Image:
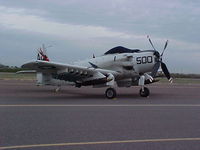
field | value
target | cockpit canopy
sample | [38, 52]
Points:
[120, 49]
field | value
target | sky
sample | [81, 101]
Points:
[77, 29]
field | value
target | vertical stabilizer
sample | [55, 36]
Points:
[42, 54]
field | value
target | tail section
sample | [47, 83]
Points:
[42, 54]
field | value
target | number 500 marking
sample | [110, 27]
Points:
[144, 59]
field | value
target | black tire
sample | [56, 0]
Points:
[111, 93]
[144, 93]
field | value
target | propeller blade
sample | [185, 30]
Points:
[151, 42]
[164, 48]
[155, 69]
[165, 70]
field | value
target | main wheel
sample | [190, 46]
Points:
[144, 93]
[110, 93]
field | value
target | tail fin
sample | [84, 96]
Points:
[42, 54]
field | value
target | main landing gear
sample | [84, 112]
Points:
[144, 92]
[111, 93]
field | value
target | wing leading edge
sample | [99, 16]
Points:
[67, 72]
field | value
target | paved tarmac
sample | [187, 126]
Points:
[34, 117]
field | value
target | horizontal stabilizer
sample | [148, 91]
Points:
[26, 72]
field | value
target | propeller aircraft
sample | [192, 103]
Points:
[118, 66]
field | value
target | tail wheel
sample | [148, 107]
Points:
[111, 93]
[145, 92]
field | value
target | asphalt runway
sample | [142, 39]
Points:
[34, 117]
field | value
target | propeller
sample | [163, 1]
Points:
[160, 62]
[165, 70]
[155, 69]
[164, 48]
[151, 42]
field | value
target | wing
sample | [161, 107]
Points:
[69, 72]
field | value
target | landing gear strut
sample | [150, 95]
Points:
[111, 93]
[144, 92]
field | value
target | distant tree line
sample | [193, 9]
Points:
[4, 68]
[181, 75]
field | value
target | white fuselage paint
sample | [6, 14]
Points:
[117, 62]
